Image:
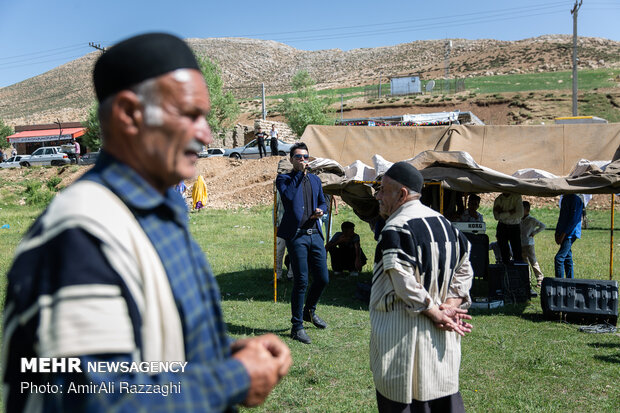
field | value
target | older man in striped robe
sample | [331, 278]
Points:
[420, 289]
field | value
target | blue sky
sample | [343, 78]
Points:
[38, 35]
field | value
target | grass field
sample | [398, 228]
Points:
[590, 79]
[512, 361]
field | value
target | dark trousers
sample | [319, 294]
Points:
[307, 254]
[448, 404]
[274, 149]
[261, 149]
[509, 233]
[343, 258]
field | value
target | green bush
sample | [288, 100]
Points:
[36, 195]
[53, 182]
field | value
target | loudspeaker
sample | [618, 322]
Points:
[510, 282]
[580, 299]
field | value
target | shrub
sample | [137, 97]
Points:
[36, 195]
[53, 182]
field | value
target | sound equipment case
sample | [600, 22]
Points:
[580, 298]
[510, 282]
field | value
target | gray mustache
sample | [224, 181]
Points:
[194, 146]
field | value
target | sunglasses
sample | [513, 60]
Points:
[299, 156]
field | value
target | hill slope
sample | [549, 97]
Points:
[66, 92]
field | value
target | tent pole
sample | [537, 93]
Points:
[275, 246]
[329, 218]
[611, 239]
[441, 198]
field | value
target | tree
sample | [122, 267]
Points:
[5, 130]
[224, 107]
[306, 107]
[92, 137]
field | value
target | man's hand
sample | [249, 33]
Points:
[318, 213]
[449, 318]
[266, 359]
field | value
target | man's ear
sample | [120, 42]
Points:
[403, 193]
[127, 110]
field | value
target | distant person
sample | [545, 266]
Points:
[260, 142]
[345, 250]
[420, 286]
[13, 152]
[567, 230]
[325, 219]
[281, 243]
[76, 150]
[273, 142]
[530, 226]
[471, 214]
[508, 211]
[304, 205]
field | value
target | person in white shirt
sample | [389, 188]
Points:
[273, 141]
[508, 211]
[530, 226]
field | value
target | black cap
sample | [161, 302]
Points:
[407, 175]
[140, 58]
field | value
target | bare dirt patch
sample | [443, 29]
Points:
[235, 183]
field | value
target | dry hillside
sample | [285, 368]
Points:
[65, 92]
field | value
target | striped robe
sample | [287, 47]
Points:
[420, 261]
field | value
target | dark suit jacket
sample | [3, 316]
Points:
[291, 193]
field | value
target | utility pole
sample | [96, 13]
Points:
[380, 73]
[574, 12]
[341, 106]
[96, 46]
[447, 65]
[264, 109]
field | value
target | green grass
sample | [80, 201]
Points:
[587, 80]
[512, 361]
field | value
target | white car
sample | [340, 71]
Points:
[47, 155]
[13, 162]
[250, 151]
[207, 153]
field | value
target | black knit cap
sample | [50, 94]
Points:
[140, 58]
[407, 175]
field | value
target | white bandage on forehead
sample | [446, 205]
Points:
[182, 75]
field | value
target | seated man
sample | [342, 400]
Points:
[345, 251]
[471, 214]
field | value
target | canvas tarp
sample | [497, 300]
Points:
[458, 171]
[504, 148]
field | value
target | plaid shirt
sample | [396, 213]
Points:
[212, 381]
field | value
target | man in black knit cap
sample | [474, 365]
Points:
[421, 278]
[109, 274]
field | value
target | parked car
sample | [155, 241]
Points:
[47, 155]
[215, 152]
[207, 153]
[12, 162]
[89, 158]
[250, 151]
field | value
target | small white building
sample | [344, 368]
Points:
[405, 84]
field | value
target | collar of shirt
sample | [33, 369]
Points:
[135, 192]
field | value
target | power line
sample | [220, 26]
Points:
[366, 33]
[44, 51]
[392, 23]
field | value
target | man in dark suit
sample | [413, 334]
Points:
[304, 203]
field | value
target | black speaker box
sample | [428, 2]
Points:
[588, 300]
[510, 282]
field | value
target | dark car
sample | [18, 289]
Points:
[89, 158]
